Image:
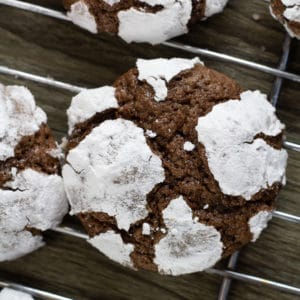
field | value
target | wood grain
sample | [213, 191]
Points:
[69, 266]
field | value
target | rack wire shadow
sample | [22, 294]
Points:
[280, 74]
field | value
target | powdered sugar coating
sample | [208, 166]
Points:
[188, 146]
[112, 245]
[31, 199]
[158, 72]
[19, 116]
[111, 2]
[241, 163]
[151, 134]
[115, 175]
[170, 21]
[290, 2]
[89, 102]
[80, 15]
[214, 7]
[9, 294]
[290, 14]
[146, 229]
[258, 223]
[189, 246]
[16, 244]
[57, 152]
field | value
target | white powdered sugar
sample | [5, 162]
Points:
[292, 13]
[56, 153]
[258, 223]
[290, 2]
[146, 230]
[189, 246]
[10, 294]
[171, 20]
[26, 198]
[241, 163]
[112, 245]
[19, 116]
[151, 134]
[141, 26]
[89, 102]
[188, 146]
[80, 15]
[112, 170]
[16, 244]
[158, 72]
[112, 2]
[214, 7]
[31, 199]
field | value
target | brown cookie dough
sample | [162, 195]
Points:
[152, 21]
[174, 167]
[287, 12]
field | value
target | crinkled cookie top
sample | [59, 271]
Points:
[32, 197]
[152, 21]
[174, 167]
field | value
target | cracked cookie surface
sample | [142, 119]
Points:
[196, 160]
[32, 197]
[132, 19]
[287, 12]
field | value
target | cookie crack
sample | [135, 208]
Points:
[81, 130]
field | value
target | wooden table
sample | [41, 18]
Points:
[69, 266]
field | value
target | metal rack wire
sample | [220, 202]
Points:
[280, 73]
[34, 292]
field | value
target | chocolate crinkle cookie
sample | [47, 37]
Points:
[32, 197]
[10, 294]
[287, 12]
[174, 167]
[152, 21]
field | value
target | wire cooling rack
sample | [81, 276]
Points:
[280, 74]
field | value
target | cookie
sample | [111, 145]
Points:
[174, 167]
[32, 197]
[152, 21]
[287, 12]
[10, 294]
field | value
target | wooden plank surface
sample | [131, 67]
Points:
[69, 266]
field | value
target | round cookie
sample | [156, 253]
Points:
[152, 21]
[32, 197]
[10, 294]
[174, 167]
[287, 12]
